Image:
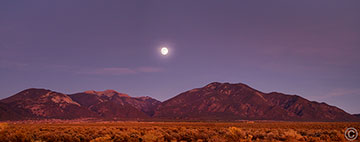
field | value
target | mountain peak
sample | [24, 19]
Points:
[108, 93]
[30, 93]
[36, 89]
[145, 98]
[213, 84]
[32, 90]
[226, 85]
[90, 92]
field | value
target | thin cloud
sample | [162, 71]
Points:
[338, 93]
[122, 70]
[12, 64]
[81, 70]
[343, 92]
[149, 69]
[112, 71]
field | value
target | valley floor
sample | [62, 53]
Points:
[175, 131]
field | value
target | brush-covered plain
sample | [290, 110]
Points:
[173, 131]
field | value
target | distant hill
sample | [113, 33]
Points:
[215, 101]
[41, 103]
[111, 104]
[46, 104]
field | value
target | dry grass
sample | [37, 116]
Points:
[174, 131]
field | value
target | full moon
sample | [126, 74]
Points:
[164, 51]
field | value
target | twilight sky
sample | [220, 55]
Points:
[309, 48]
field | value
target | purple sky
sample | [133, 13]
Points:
[309, 48]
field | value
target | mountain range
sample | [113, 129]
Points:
[213, 102]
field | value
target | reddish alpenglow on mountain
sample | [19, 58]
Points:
[215, 101]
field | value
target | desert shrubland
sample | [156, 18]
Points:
[173, 131]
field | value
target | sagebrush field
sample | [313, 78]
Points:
[173, 131]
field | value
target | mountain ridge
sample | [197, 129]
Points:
[225, 101]
[214, 101]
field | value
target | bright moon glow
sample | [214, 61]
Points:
[164, 51]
